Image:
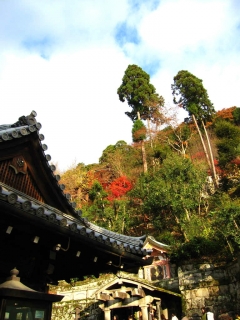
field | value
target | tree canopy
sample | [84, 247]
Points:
[140, 94]
[190, 94]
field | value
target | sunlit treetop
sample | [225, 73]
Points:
[139, 93]
[190, 94]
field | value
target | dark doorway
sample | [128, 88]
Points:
[124, 313]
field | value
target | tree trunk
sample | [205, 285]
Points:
[183, 232]
[203, 143]
[149, 132]
[215, 180]
[123, 221]
[144, 158]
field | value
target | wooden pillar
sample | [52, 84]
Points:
[158, 305]
[77, 314]
[144, 310]
[168, 270]
[107, 314]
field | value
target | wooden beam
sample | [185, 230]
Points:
[104, 297]
[138, 292]
[120, 294]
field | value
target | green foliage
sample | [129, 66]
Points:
[106, 152]
[181, 133]
[122, 159]
[114, 216]
[96, 192]
[117, 217]
[172, 195]
[197, 226]
[225, 220]
[190, 94]
[196, 248]
[98, 196]
[185, 132]
[160, 152]
[108, 207]
[121, 145]
[140, 94]
[226, 152]
[177, 138]
[227, 145]
[167, 237]
[138, 131]
[226, 130]
[236, 116]
[75, 179]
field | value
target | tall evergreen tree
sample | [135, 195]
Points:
[190, 94]
[141, 96]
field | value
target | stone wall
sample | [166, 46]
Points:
[210, 285]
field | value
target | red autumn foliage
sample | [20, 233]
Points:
[119, 187]
[103, 175]
[236, 162]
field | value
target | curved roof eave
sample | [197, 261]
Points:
[150, 242]
[80, 227]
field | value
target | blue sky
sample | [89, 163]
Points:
[65, 60]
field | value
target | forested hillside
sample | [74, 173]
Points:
[179, 182]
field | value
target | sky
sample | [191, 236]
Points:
[66, 59]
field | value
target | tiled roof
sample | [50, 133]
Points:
[79, 226]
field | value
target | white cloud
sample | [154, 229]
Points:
[180, 25]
